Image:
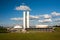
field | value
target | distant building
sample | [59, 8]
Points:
[16, 28]
[41, 26]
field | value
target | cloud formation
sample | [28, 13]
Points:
[23, 7]
[57, 20]
[46, 16]
[16, 19]
[45, 20]
[40, 20]
[34, 17]
[55, 14]
[31, 18]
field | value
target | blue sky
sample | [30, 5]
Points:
[38, 7]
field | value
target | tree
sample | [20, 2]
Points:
[3, 29]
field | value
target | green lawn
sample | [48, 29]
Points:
[31, 36]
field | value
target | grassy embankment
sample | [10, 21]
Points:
[31, 36]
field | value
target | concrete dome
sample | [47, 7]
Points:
[23, 7]
[17, 26]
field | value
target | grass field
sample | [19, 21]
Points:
[31, 36]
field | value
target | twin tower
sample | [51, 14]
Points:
[26, 11]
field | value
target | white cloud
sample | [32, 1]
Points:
[57, 19]
[34, 17]
[45, 20]
[40, 20]
[23, 7]
[16, 19]
[47, 16]
[31, 18]
[55, 14]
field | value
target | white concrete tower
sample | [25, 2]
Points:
[25, 10]
[27, 19]
[24, 20]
